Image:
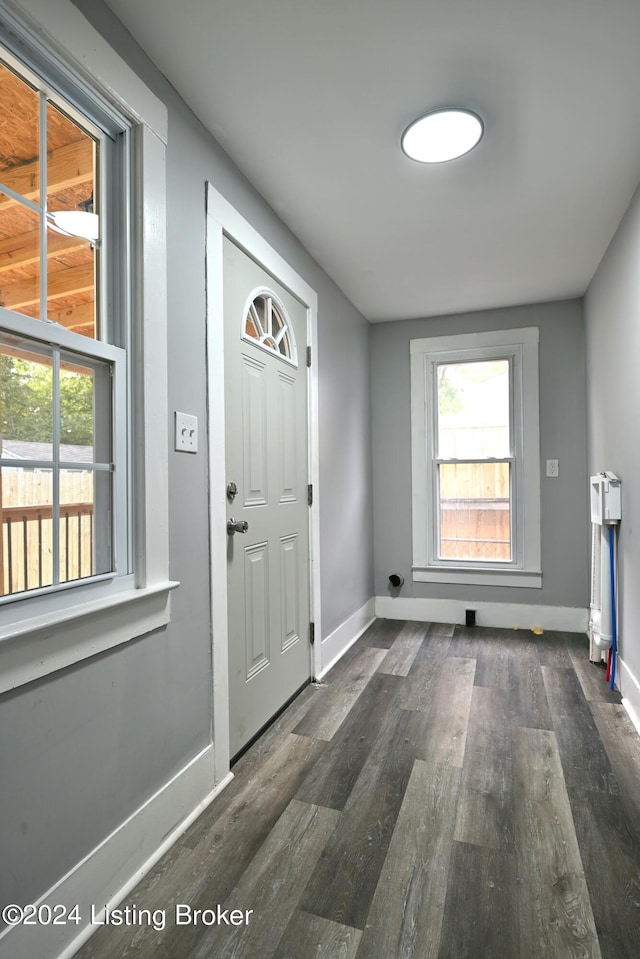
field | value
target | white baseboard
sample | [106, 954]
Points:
[109, 873]
[507, 615]
[338, 642]
[630, 690]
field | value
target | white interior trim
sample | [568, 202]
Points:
[151, 365]
[633, 715]
[338, 642]
[224, 220]
[629, 688]
[520, 346]
[109, 873]
[493, 576]
[568, 619]
[65, 30]
[44, 644]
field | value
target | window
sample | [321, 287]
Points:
[50, 199]
[62, 394]
[56, 464]
[475, 459]
[267, 324]
[83, 350]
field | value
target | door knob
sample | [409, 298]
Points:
[237, 526]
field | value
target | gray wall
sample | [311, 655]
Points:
[83, 749]
[612, 317]
[562, 436]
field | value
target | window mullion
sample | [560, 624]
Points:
[269, 316]
[517, 450]
[22, 200]
[55, 504]
[513, 519]
[482, 459]
[513, 372]
[431, 419]
[437, 512]
[44, 272]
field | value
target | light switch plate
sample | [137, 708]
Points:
[552, 468]
[186, 433]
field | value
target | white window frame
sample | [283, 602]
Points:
[41, 634]
[271, 295]
[520, 348]
[38, 333]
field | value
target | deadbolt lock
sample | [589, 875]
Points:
[232, 491]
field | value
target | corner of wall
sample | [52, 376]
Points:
[335, 645]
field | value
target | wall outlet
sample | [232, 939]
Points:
[552, 468]
[186, 433]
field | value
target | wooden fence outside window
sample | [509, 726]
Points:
[26, 528]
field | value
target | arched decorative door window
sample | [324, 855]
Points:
[267, 325]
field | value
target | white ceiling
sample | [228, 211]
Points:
[310, 97]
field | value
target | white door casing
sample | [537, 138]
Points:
[223, 220]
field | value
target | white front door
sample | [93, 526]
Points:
[267, 476]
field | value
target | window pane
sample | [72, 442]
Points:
[19, 258]
[71, 197]
[26, 401]
[266, 322]
[19, 136]
[19, 170]
[473, 410]
[26, 512]
[85, 410]
[103, 550]
[260, 306]
[475, 511]
[85, 501]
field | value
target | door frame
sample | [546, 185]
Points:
[222, 219]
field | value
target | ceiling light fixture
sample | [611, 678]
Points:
[76, 223]
[442, 135]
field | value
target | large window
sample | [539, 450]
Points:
[474, 460]
[476, 498]
[83, 349]
[62, 384]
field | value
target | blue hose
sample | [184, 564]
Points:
[614, 644]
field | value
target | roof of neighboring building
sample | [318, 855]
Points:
[20, 450]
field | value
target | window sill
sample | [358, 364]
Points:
[37, 647]
[472, 576]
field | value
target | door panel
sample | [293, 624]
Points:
[287, 445]
[256, 605]
[290, 588]
[266, 456]
[254, 432]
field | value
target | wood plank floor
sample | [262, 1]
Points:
[444, 793]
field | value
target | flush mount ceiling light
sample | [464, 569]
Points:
[76, 223]
[442, 135]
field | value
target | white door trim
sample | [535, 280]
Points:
[224, 220]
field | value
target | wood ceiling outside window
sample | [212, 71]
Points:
[71, 175]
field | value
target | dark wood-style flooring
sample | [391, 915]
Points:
[445, 792]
